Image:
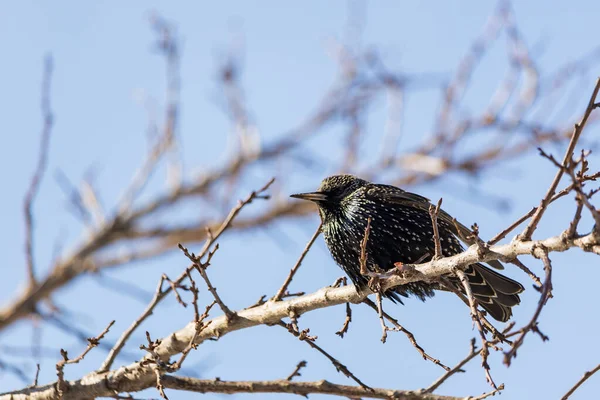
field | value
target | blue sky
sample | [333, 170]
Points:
[105, 64]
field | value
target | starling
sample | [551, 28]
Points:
[401, 231]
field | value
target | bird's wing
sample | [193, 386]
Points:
[408, 199]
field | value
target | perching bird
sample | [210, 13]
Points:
[401, 230]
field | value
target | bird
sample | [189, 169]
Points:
[401, 231]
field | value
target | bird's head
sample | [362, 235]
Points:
[331, 194]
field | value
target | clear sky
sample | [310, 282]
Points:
[105, 65]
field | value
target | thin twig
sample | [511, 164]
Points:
[529, 272]
[167, 43]
[347, 321]
[160, 294]
[572, 231]
[174, 287]
[363, 249]
[490, 393]
[226, 310]
[201, 268]
[294, 269]
[256, 194]
[310, 340]
[61, 385]
[199, 325]
[524, 218]
[462, 296]
[580, 382]
[114, 352]
[158, 366]
[296, 371]
[40, 169]
[512, 227]
[476, 319]
[526, 235]
[408, 334]
[544, 296]
[343, 281]
[433, 212]
[472, 354]
[457, 368]
[37, 375]
[582, 197]
[384, 327]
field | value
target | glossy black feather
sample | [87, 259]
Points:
[401, 231]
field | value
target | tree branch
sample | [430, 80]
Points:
[133, 376]
[300, 388]
[535, 220]
[584, 378]
[294, 269]
[42, 162]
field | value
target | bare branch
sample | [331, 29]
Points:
[384, 327]
[40, 169]
[273, 312]
[37, 375]
[294, 269]
[114, 352]
[475, 315]
[201, 268]
[158, 366]
[512, 227]
[572, 231]
[525, 269]
[310, 340]
[347, 321]
[257, 194]
[490, 393]
[301, 388]
[584, 378]
[61, 385]
[546, 291]
[526, 235]
[199, 326]
[160, 294]
[531, 212]
[433, 212]
[506, 128]
[168, 45]
[363, 249]
[408, 334]
[457, 368]
[296, 371]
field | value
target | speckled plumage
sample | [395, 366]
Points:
[401, 231]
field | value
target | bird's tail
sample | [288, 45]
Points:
[494, 292]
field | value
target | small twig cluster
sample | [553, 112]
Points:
[61, 384]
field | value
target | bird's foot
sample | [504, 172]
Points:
[342, 281]
[375, 284]
[404, 268]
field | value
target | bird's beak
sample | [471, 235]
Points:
[313, 196]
